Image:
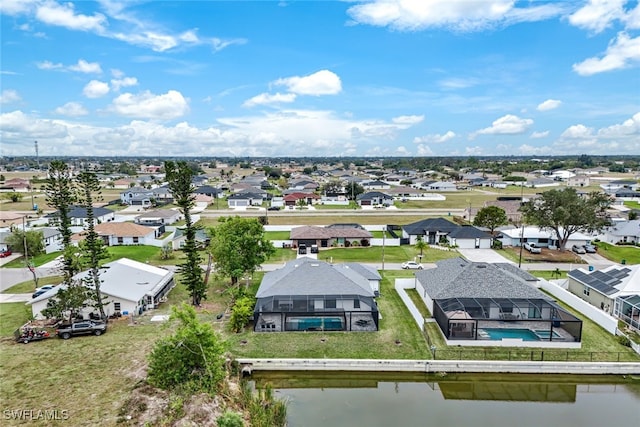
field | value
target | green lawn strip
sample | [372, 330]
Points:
[308, 218]
[391, 254]
[330, 207]
[29, 286]
[632, 204]
[617, 253]
[12, 316]
[277, 235]
[37, 260]
[418, 302]
[140, 253]
[548, 274]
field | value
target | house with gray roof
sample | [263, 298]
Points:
[374, 198]
[622, 232]
[78, 215]
[130, 287]
[311, 295]
[481, 304]
[439, 230]
[336, 235]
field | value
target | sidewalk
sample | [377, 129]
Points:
[14, 298]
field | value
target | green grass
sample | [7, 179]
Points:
[617, 253]
[308, 218]
[418, 302]
[277, 235]
[631, 204]
[12, 316]
[548, 274]
[393, 254]
[29, 286]
[37, 260]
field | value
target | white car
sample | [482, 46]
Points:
[411, 265]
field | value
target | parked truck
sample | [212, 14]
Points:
[87, 327]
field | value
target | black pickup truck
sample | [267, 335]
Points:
[87, 327]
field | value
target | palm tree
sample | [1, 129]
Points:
[422, 245]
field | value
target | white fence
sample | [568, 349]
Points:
[609, 323]
[401, 285]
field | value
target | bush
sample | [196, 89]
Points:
[622, 339]
[241, 313]
[230, 419]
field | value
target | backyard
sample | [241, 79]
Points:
[617, 253]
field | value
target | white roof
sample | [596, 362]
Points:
[532, 232]
[125, 279]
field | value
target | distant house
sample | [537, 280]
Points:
[578, 181]
[441, 186]
[340, 235]
[517, 236]
[541, 182]
[122, 233]
[374, 198]
[210, 191]
[131, 287]
[19, 185]
[137, 196]
[402, 191]
[8, 218]
[483, 304]
[376, 185]
[622, 232]
[179, 239]
[293, 199]
[158, 217]
[52, 238]
[311, 295]
[438, 230]
[78, 216]
[244, 200]
[615, 289]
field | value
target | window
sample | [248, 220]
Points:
[585, 291]
[135, 239]
[120, 240]
[116, 306]
[330, 303]
[356, 303]
[534, 313]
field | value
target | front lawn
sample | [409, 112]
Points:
[393, 254]
[617, 253]
[29, 286]
[37, 260]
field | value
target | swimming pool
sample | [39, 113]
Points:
[544, 334]
[497, 334]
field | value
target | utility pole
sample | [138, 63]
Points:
[384, 235]
[522, 229]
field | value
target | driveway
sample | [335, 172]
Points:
[484, 255]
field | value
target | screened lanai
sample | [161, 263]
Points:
[627, 309]
[529, 319]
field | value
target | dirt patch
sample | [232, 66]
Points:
[547, 255]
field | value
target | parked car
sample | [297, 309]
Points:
[86, 327]
[590, 249]
[273, 208]
[578, 249]
[411, 265]
[531, 247]
[5, 254]
[42, 290]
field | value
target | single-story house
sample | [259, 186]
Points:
[330, 236]
[615, 289]
[159, 217]
[441, 186]
[374, 198]
[622, 232]
[516, 236]
[439, 230]
[131, 287]
[311, 295]
[244, 199]
[402, 191]
[578, 181]
[122, 233]
[180, 238]
[293, 199]
[137, 196]
[52, 238]
[375, 185]
[78, 215]
[469, 237]
[8, 219]
[483, 304]
[210, 191]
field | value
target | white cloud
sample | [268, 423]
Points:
[458, 83]
[8, 96]
[64, 15]
[116, 84]
[407, 120]
[16, 124]
[630, 127]
[267, 99]
[457, 15]
[16, 7]
[632, 18]
[577, 131]
[48, 65]
[323, 82]
[434, 138]
[424, 150]
[170, 105]
[95, 89]
[473, 151]
[71, 109]
[86, 67]
[402, 151]
[538, 135]
[506, 125]
[597, 15]
[549, 104]
[620, 53]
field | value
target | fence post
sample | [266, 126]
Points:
[532, 355]
[592, 356]
[542, 356]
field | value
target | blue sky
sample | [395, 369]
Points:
[320, 78]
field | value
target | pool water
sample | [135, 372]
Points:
[524, 334]
[545, 334]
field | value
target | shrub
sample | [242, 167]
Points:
[622, 339]
[241, 313]
[230, 419]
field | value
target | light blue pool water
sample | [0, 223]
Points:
[498, 334]
[544, 334]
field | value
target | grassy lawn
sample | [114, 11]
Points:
[12, 316]
[391, 254]
[36, 260]
[631, 254]
[308, 218]
[277, 235]
[631, 204]
[549, 274]
[28, 286]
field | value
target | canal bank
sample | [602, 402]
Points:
[438, 366]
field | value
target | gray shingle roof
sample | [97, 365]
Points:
[430, 224]
[307, 276]
[459, 278]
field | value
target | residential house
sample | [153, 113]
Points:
[374, 198]
[340, 235]
[179, 238]
[78, 216]
[578, 181]
[8, 218]
[403, 191]
[615, 289]
[122, 233]
[618, 185]
[210, 191]
[19, 185]
[483, 304]
[376, 185]
[516, 236]
[311, 295]
[52, 239]
[159, 217]
[622, 232]
[130, 288]
[244, 199]
[294, 199]
[441, 186]
[469, 237]
[541, 183]
[137, 196]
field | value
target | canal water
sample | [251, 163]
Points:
[453, 400]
